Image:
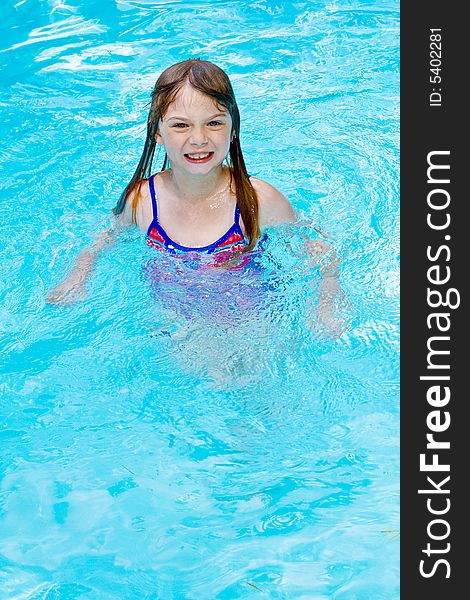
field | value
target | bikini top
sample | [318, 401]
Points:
[232, 241]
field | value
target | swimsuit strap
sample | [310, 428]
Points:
[154, 197]
[237, 215]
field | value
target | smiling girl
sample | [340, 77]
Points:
[196, 205]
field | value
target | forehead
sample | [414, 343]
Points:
[193, 104]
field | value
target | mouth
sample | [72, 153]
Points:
[199, 157]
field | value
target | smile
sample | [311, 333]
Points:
[199, 157]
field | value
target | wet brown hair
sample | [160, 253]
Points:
[211, 80]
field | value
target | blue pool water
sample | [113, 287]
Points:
[207, 444]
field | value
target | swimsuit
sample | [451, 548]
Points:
[232, 241]
[190, 285]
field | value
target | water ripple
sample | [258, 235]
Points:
[180, 432]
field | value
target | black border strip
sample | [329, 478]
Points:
[433, 124]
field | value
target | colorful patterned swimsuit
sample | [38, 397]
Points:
[232, 241]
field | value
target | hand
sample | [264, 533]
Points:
[326, 315]
[67, 292]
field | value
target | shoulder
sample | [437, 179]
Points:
[140, 196]
[274, 207]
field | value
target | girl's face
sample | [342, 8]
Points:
[195, 131]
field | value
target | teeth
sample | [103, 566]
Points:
[199, 155]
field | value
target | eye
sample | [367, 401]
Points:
[215, 123]
[180, 125]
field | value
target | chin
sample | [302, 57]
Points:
[203, 168]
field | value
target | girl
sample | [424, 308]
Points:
[196, 205]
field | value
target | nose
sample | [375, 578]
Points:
[198, 138]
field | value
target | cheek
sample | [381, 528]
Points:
[172, 140]
[223, 139]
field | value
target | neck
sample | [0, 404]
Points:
[198, 188]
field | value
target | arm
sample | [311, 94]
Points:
[275, 209]
[321, 254]
[73, 286]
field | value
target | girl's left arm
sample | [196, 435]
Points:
[275, 209]
[327, 310]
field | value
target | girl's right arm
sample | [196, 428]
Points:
[73, 287]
